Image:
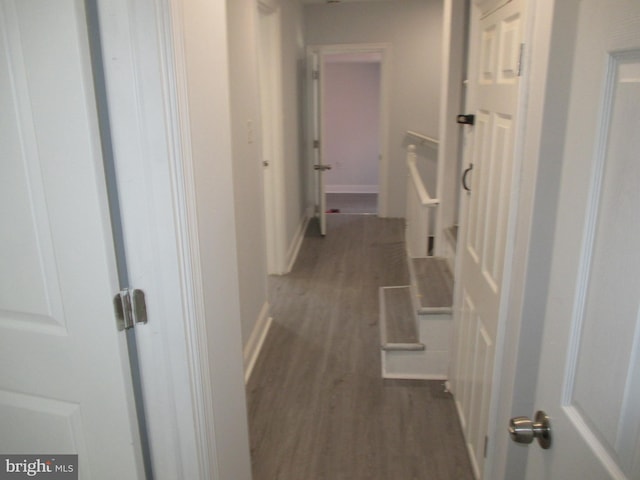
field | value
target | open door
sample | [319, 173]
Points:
[65, 385]
[318, 166]
[494, 83]
[589, 375]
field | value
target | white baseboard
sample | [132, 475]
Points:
[351, 188]
[294, 247]
[254, 344]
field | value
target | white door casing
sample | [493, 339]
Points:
[317, 100]
[65, 384]
[451, 101]
[494, 93]
[315, 54]
[589, 375]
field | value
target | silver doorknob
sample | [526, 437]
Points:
[523, 430]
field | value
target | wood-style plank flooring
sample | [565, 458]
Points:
[400, 317]
[318, 407]
[435, 285]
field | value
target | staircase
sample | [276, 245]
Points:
[415, 319]
[415, 322]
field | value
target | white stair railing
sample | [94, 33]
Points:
[420, 204]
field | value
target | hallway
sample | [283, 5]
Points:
[318, 407]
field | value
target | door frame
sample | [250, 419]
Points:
[191, 370]
[384, 50]
[549, 40]
[271, 121]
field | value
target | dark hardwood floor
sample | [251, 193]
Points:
[318, 407]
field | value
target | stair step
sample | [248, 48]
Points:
[398, 323]
[433, 283]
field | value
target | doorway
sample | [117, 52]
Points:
[348, 112]
[270, 90]
[351, 127]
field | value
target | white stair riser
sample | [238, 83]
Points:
[435, 330]
[430, 364]
[424, 365]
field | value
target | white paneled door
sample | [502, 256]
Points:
[494, 84]
[589, 377]
[64, 379]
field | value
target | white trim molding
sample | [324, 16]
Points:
[256, 340]
[142, 51]
[448, 188]
[202, 120]
[268, 22]
[161, 58]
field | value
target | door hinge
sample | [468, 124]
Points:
[486, 445]
[130, 308]
[316, 144]
[315, 74]
[520, 59]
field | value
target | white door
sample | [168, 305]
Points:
[494, 85]
[318, 165]
[267, 109]
[589, 376]
[64, 378]
[271, 121]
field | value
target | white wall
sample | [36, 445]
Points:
[413, 28]
[208, 146]
[247, 167]
[243, 31]
[351, 115]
